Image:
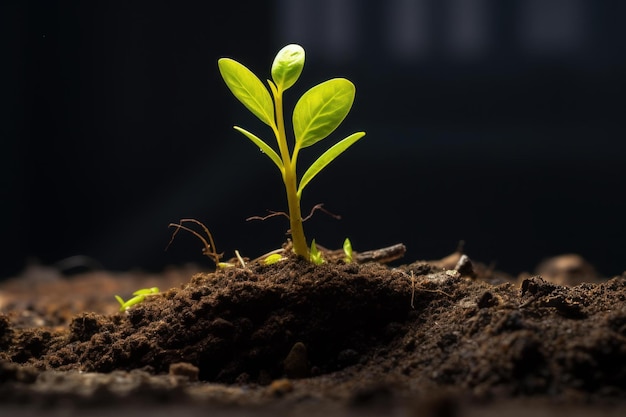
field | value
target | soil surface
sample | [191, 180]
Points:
[441, 338]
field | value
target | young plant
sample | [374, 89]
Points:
[139, 297]
[273, 258]
[316, 115]
[347, 250]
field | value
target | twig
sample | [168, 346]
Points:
[383, 255]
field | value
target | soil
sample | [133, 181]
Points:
[441, 338]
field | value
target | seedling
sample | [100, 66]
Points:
[316, 115]
[273, 258]
[139, 297]
[347, 250]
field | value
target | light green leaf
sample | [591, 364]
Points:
[287, 66]
[315, 255]
[147, 291]
[265, 148]
[248, 89]
[121, 301]
[321, 109]
[326, 158]
[273, 258]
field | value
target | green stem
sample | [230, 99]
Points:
[281, 136]
[300, 247]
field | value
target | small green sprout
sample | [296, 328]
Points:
[347, 250]
[139, 297]
[315, 256]
[273, 258]
[318, 112]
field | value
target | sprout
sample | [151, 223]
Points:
[139, 297]
[315, 256]
[347, 250]
[273, 258]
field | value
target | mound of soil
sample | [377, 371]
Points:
[428, 338]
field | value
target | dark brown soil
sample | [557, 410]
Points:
[298, 339]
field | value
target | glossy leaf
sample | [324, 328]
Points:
[287, 66]
[265, 148]
[326, 158]
[248, 89]
[321, 109]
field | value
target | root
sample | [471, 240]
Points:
[321, 208]
[209, 246]
[316, 207]
[272, 214]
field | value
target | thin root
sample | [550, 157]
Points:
[413, 280]
[321, 208]
[316, 207]
[209, 246]
[272, 214]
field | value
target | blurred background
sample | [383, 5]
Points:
[500, 124]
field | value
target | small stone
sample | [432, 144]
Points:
[464, 267]
[296, 364]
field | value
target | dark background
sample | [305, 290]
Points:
[497, 123]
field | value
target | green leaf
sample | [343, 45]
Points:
[147, 291]
[326, 158]
[265, 148]
[248, 89]
[273, 258]
[120, 300]
[287, 66]
[321, 109]
[315, 255]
